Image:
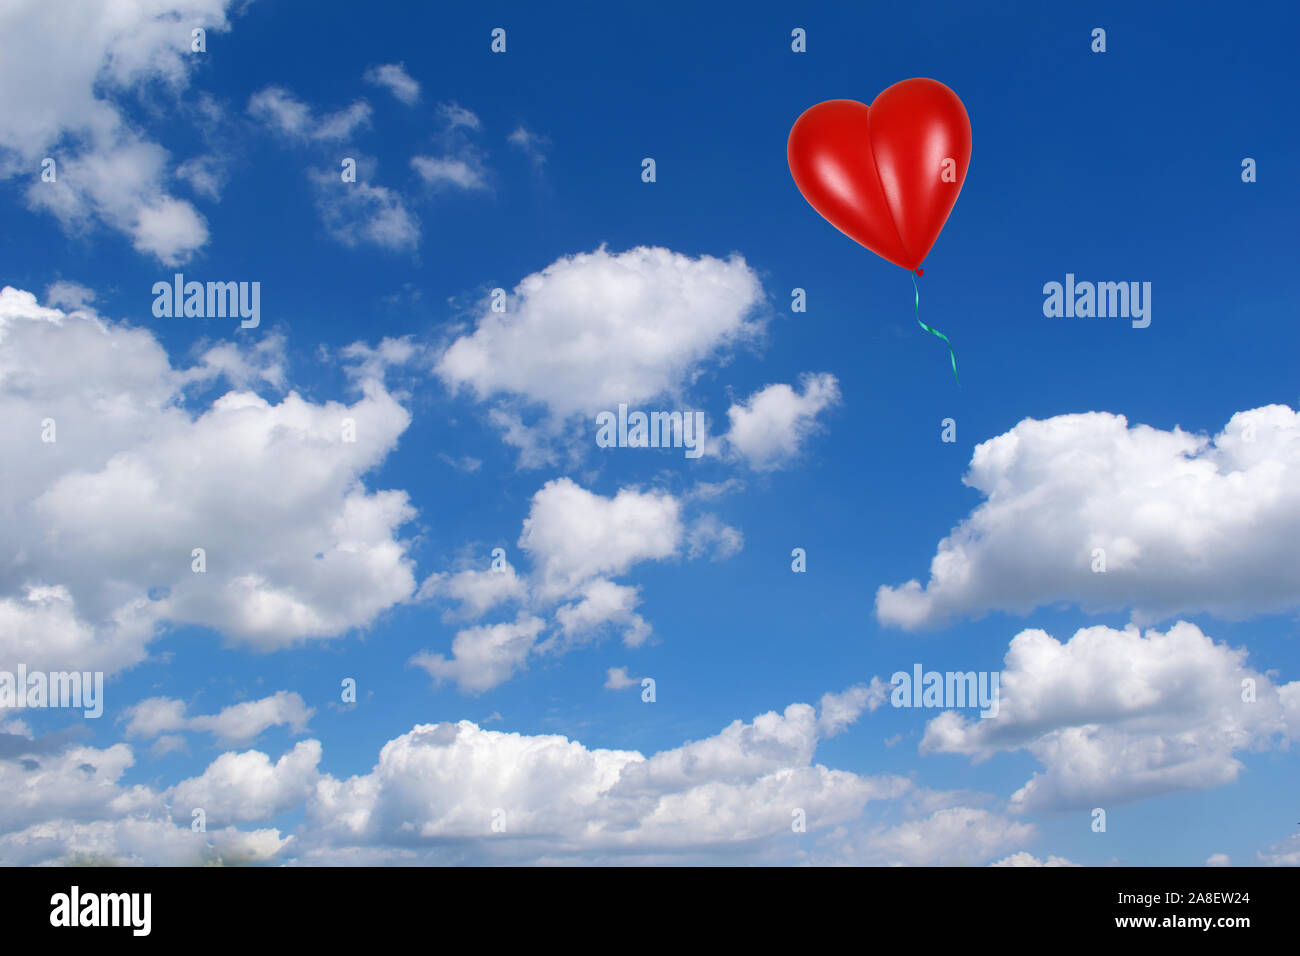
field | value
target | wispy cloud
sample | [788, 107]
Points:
[394, 78]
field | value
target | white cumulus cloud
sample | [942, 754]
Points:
[1187, 523]
[238, 723]
[64, 73]
[117, 482]
[769, 428]
[577, 541]
[593, 330]
[1118, 715]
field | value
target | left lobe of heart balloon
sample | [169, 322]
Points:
[831, 161]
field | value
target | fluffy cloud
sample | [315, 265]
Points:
[132, 841]
[133, 482]
[574, 535]
[243, 787]
[43, 629]
[602, 603]
[616, 678]
[1027, 859]
[1116, 715]
[485, 656]
[576, 541]
[69, 805]
[367, 362]
[954, 836]
[440, 787]
[459, 793]
[838, 711]
[77, 783]
[68, 295]
[1188, 523]
[107, 171]
[238, 723]
[1284, 853]
[708, 535]
[597, 329]
[476, 592]
[769, 428]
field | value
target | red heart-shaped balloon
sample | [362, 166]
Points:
[885, 175]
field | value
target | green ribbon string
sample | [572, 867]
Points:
[951, 353]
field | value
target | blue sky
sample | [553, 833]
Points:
[1115, 166]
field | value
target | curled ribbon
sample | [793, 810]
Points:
[951, 353]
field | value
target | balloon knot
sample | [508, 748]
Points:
[920, 272]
